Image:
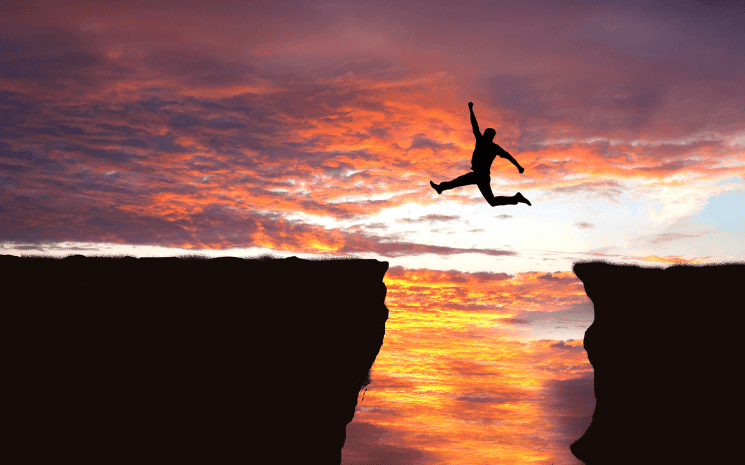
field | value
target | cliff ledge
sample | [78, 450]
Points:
[172, 360]
[666, 349]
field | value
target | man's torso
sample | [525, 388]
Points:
[483, 155]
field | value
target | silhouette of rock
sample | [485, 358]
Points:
[666, 349]
[172, 360]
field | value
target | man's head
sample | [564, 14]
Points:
[489, 133]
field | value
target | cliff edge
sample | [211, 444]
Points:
[172, 360]
[666, 349]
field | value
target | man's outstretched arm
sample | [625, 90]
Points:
[475, 125]
[504, 154]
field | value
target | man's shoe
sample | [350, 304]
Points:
[522, 199]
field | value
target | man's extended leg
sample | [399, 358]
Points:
[466, 179]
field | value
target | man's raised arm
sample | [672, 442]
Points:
[475, 125]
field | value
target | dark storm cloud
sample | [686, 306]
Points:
[206, 104]
[70, 130]
[13, 111]
[4, 166]
[130, 131]
[225, 122]
[45, 54]
[155, 103]
[184, 120]
[48, 131]
[167, 144]
[7, 152]
[30, 159]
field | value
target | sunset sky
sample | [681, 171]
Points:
[313, 128]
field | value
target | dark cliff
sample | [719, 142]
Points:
[169, 360]
[666, 349]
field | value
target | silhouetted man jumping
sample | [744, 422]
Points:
[483, 156]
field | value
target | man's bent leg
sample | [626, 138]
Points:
[485, 188]
[500, 200]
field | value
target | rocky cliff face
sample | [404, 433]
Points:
[667, 353]
[167, 360]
